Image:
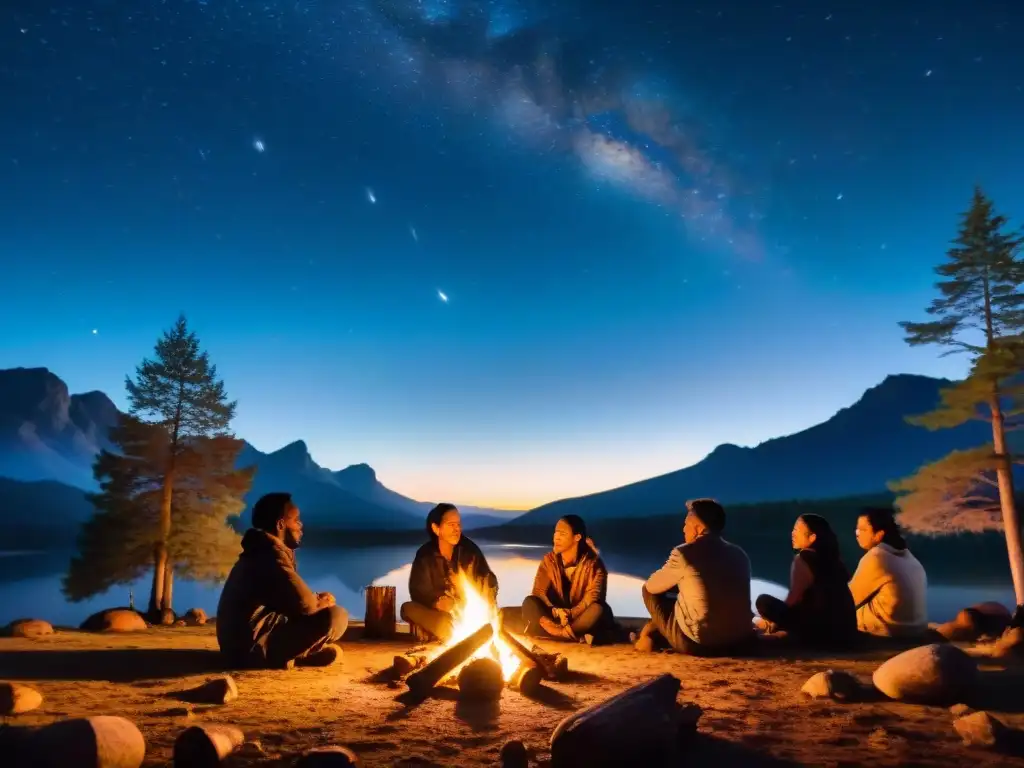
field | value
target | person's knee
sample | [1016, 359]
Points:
[763, 603]
[339, 620]
[403, 613]
[649, 598]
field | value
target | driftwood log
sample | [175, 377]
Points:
[636, 727]
[421, 681]
[380, 620]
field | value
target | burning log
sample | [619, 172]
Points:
[423, 680]
[555, 665]
[481, 680]
[528, 680]
[636, 727]
[380, 622]
[530, 657]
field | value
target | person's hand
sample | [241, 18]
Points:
[445, 604]
[561, 615]
[325, 599]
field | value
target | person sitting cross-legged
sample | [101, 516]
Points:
[711, 615]
[267, 616]
[569, 598]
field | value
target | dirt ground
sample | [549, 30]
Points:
[754, 713]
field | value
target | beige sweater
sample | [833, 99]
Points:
[890, 591]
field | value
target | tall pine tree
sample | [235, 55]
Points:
[979, 312]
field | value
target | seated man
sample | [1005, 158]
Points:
[569, 598]
[267, 616]
[712, 613]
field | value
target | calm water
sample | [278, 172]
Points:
[30, 582]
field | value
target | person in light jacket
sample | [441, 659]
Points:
[570, 590]
[889, 587]
[711, 614]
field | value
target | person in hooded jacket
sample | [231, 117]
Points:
[570, 590]
[889, 587]
[434, 583]
[267, 616]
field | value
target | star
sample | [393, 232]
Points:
[412, 231]
[258, 145]
[442, 296]
[370, 196]
[95, 331]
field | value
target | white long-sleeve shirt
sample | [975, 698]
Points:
[890, 590]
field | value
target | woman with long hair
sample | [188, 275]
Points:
[889, 587]
[569, 597]
[433, 582]
[819, 608]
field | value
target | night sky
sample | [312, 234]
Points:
[658, 226]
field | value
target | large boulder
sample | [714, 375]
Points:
[984, 620]
[195, 617]
[931, 674]
[115, 620]
[103, 741]
[28, 628]
[16, 699]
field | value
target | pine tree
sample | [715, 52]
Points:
[179, 391]
[116, 544]
[979, 312]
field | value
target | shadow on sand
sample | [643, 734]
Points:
[704, 749]
[116, 666]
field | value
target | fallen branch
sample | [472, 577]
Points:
[422, 681]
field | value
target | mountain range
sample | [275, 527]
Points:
[49, 439]
[47, 434]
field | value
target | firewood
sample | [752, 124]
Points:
[635, 727]
[423, 680]
[406, 663]
[529, 656]
[528, 680]
[481, 680]
[201, 746]
[555, 665]
[380, 622]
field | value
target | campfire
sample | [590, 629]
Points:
[483, 655]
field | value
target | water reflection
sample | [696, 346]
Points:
[30, 582]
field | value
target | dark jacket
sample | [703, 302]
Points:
[432, 577]
[826, 606]
[588, 585]
[262, 590]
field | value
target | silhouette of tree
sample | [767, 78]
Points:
[980, 312]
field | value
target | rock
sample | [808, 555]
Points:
[980, 729]
[840, 686]
[99, 742]
[930, 674]
[251, 750]
[195, 617]
[167, 618]
[960, 710]
[29, 628]
[687, 716]
[185, 712]
[16, 699]
[514, 755]
[328, 757]
[216, 690]
[115, 620]
[1010, 643]
[481, 680]
[205, 746]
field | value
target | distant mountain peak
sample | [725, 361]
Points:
[361, 471]
[296, 449]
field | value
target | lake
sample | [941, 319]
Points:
[30, 582]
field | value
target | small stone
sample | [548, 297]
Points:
[980, 729]
[402, 665]
[216, 690]
[115, 620]
[29, 628]
[840, 686]
[185, 711]
[103, 741]
[328, 757]
[251, 749]
[514, 755]
[930, 674]
[205, 746]
[16, 699]
[960, 710]
[195, 617]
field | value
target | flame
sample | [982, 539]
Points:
[472, 612]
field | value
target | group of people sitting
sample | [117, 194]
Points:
[699, 602]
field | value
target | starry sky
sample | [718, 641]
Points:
[504, 251]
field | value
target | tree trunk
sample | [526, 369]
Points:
[380, 620]
[156, 598]
[1011, 522]
[168, 586]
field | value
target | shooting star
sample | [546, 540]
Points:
[442, 296]
[412, 231]
[370, 196]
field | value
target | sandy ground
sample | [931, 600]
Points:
[754, 713]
